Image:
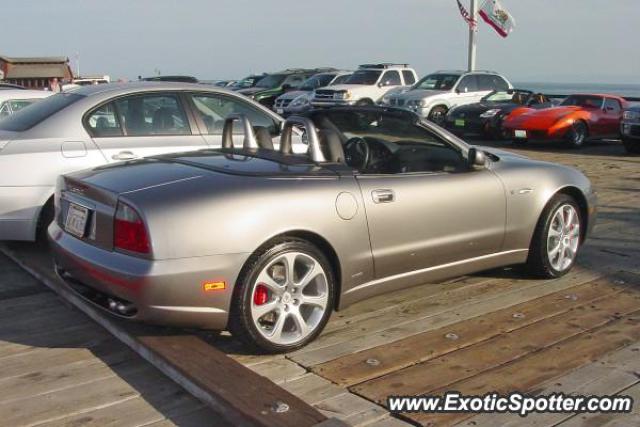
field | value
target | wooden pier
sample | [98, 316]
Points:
[495, 331]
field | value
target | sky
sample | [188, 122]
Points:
[578, 41]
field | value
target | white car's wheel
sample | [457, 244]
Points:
[285, 297]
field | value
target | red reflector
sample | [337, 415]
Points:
[130, 232]
[261, 295]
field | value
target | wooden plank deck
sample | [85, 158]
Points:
[56, 368]
[498, 330]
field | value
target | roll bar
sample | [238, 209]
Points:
[315, 152]
[249, 141]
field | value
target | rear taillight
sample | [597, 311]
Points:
[130, 232]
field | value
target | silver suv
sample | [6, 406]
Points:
[434, 95]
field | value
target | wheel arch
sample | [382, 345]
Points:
[581, 200]
[324, 246]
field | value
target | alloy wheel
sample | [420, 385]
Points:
[563, 237]
[289, 298]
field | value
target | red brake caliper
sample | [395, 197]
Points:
[260, 295]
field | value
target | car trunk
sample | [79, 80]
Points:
[95, 193]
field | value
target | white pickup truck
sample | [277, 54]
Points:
[368, 84]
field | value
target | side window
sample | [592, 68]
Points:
[214, 109]
[409, 78]
[294, 81]
[104, 122]
[485, 82]
[468, 84]
[146, 115]
[499, 83]
[612, 105]
[391, 78]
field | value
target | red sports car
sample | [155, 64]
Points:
[577, 119]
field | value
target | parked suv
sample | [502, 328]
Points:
[368, 84]
[299, 101]
[434, 95]
[273, 85]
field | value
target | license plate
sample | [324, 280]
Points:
[279, 110]
[76, 222]
[520, 134]
[459, 122]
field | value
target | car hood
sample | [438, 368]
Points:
[152, 172]
[481, 107]
[252, 90]
[346, 87]
[541, 118]
[294, 94]
[417, 94]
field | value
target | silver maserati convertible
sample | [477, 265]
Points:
[267, 243]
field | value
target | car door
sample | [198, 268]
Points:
[611, 117]
[431, 215]
[390, 79]
[467, 91]
[143, 125]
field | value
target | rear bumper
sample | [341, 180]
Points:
[19, 211]
[165, 292]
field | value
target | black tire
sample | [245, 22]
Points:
[538, 263]
[240, 322]
[631, 145]
[437, 114]
[365, 103]
[46, 218]
[577, 135]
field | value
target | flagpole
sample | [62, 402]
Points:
[473, 34]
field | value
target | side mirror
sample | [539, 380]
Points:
[476, 158]
[286, 87]
[380, 84]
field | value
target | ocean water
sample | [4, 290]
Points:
[628, 90]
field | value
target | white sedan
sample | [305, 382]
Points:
[100, 124]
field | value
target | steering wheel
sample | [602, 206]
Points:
[357, 153]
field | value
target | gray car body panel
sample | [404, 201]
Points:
[440, 225]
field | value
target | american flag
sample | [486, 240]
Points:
[466, 16]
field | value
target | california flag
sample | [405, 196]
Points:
[497, 16]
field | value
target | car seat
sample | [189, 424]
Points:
[331, 145]
[163, 121]
[263, 137]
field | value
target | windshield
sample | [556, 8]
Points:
[586, 101]
[515, 96]
[437, 82]
[363, 77]
[271, 81]
[246, 82]
[36, 113]
[319, 80]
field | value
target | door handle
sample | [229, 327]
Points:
[382, 196]
[124, 155]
